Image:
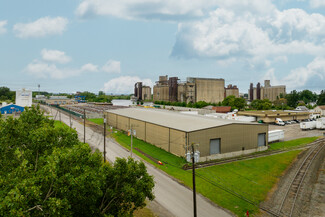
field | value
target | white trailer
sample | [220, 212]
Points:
[308, 125]
[320, 123]
[276, 135]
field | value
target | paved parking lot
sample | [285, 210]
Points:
[293, 131]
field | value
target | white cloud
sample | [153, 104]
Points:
[112, 66]
[299, 77]
[317, 3]
[89, 67]
[3, 24]
[166, 9]
[41, 27]
[45, 70]
[55, 56]
[124, 84]
[255, 38]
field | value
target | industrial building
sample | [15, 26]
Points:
[59, 100]
[267, 92]
[193, 90]
[142, 92]
[11, 109]
[175, 132]
[270, 116]
[320, 109]
[24, 98]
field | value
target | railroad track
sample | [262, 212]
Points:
[252, 156]
[288, 203]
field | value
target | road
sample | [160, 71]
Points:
[171, 195]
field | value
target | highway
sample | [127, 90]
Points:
[171, 195]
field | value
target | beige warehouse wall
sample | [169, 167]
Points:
[123, 123]
[157, 135]
[111, 119]
[139, 127]
[233, 137]
[177, 142]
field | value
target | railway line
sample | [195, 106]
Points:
[288, 205]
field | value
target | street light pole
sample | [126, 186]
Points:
[84, 126]
[104, 138]
[194, 190]
[131, 140]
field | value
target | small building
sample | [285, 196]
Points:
[175, 132]
[269, 116]
[59, 100]
[11, 109]
[302, 108]
[320, 109]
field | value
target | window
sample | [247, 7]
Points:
[214, 146]
[261, 139]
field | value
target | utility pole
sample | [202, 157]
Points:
[104, 138]
[131, 140]
[70, 118]
[194, 191]
[60, 115]
[84, 126]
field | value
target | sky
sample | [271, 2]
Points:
[108, 45]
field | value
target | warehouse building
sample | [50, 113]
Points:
[11, 109]
[175, 132]
[270, 116]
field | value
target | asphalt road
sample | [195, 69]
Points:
[171, 195]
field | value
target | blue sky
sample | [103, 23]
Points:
[93, 45]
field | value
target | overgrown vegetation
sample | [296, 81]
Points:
[46, 171]
[252, 179]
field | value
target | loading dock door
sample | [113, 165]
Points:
[214, 146]
[261, 139]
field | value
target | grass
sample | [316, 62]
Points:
[291, 143]
[251, 178]
[99, 121]
[60, 124]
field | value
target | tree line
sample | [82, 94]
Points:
[46, 171]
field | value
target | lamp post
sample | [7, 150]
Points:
[194, 188]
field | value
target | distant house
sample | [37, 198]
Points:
[302, 108]
[320, 109]
[11, 109]
[222, 109]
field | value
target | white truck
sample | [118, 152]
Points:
[279, 122]
[276, 135]
[320, 124]
[308, 125]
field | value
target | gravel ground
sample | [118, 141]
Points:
[311, 201]
[293, 131]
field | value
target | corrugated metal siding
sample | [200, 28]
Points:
[158, 136]
[139, 127]
[111, 119]
[123, 123]
[177, 142]
[233, 137]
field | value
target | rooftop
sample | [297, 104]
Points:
[271, 113]
[174, 120]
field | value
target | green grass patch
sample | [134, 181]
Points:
[60, 124]
[291, 143]
[252, 179]
[99, 121]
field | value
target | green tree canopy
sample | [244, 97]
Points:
[46, 171]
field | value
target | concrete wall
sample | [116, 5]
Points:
[160, 93]
[146, 93]
[209, 90]
[233, 137]
[232, 92]
[272, 93]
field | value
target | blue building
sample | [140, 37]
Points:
[11, 109]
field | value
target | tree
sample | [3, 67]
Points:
[292, 98]
[264, 104]
[321, 98]
[307, 96]
[235, 103]
[46, 171]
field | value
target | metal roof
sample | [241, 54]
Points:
[174, 120]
